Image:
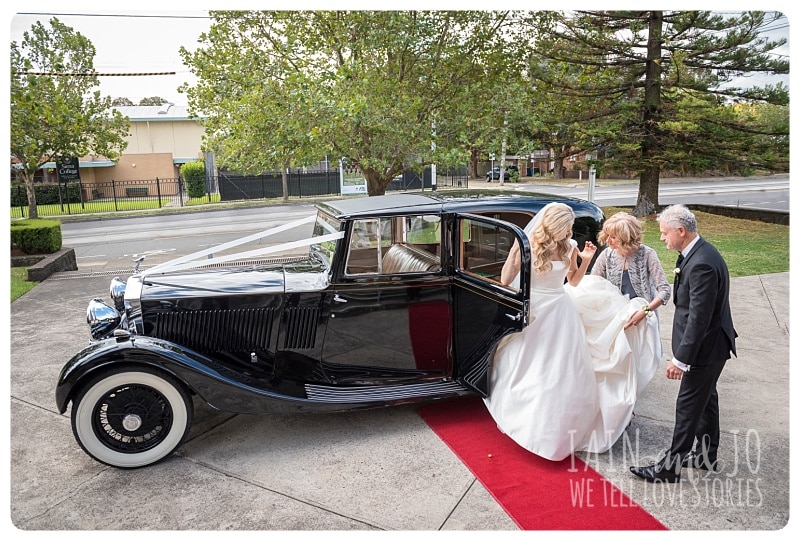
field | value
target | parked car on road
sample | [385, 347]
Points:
[494, 174]
[389, 300]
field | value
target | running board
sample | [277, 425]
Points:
[383, 393]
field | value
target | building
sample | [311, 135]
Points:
[161, 139]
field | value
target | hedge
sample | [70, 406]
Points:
[49, 194]
[38, 236]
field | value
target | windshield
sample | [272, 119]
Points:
[325, 225]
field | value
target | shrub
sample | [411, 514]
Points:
[47, 194]
[37, 236]
[194, 173]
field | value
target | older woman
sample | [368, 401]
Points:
[632, 266]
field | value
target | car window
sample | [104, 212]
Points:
[325, 225]
[484, 249]
[395, 245]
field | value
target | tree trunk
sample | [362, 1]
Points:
[285, 184]
[647, 200]
[503, 153]
[33, 211]
[473, 163]
[375, 184]
[558, 165]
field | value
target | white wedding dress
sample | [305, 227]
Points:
[569, 380]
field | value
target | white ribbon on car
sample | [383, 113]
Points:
[190, 261]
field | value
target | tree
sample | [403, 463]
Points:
[660, 82]
[153, 100]
[54, 111]
[280, 87]
[121, 102]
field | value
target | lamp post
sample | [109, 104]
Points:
[592, 157]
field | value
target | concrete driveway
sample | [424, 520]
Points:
[372, 470]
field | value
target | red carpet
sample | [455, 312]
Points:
[538, 494]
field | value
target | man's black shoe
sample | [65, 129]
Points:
[656, 473]
[698, 461]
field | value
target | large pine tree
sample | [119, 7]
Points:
[660, 84]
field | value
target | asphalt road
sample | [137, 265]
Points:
[770, 193]
[113, 243]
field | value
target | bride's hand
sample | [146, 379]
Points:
[589, 250]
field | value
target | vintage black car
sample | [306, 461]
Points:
[389, 300]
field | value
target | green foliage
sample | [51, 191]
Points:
[153, 100]
[194, 173]
[386, 89]
[49, 194]
[37, 236]
[58, 115]
[655, 88]
[122, 102]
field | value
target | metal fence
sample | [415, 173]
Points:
[80, 198]
[115, 196]
[237, 187]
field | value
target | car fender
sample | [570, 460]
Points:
[201, 375]
[133, 351]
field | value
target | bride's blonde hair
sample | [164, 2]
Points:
[549, 237]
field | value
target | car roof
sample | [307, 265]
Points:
[453, 201]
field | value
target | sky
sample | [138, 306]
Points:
[148, 40]
[129, 42]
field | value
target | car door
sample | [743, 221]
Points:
[485, 310]
[390, 312]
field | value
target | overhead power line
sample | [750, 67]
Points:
[92, 73]
[120, 15]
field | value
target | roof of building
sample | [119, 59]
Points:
[155, 113]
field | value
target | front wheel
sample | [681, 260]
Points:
[131, 417]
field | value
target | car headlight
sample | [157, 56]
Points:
[117, 293]
[102, 319]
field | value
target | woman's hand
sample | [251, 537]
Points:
[636, 318]
[588, 252]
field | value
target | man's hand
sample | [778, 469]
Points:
[673, 372]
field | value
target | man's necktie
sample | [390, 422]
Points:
[677, 278]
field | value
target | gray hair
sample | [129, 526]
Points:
[679, 216]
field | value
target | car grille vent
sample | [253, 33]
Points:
[301, 328]
[218, 330]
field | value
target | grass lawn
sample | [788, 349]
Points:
[214, 198]
[749, 247]
[19, 284]
[72, 209]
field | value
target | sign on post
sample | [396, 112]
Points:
[68, 169]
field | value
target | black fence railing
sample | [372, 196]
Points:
[411, 180]
[80, 198]
[115, 196]
[236, 187]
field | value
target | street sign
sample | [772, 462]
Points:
[68, 169]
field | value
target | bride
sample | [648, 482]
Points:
[569, 380]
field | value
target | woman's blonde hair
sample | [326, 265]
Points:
[625, 227]
[549, 237]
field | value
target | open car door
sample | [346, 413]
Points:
[485, 310]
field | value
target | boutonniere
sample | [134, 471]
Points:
[677, 271]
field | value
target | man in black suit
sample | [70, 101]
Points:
[703, 339]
